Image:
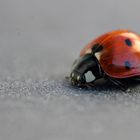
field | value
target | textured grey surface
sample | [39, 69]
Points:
[38, 42]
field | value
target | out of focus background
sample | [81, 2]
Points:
[39, 40]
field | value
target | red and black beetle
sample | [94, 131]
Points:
[114, 56]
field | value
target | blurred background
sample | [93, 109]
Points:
[39, 40]
[42, 38]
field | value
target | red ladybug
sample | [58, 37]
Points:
[114, 56]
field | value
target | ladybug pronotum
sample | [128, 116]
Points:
[113, 56]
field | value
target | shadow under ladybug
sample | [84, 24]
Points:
[103, 60]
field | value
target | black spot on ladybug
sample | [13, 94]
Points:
[127, 65]
[97, 48]
[128, 42]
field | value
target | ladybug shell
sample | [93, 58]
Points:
[118, 53]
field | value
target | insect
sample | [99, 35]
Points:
[114, 56]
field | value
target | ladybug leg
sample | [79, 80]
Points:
[137, 78]
[119, 84]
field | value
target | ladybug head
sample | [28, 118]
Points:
[85, 70]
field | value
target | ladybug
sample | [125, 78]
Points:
[114, 56]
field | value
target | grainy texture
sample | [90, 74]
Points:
[39, 40]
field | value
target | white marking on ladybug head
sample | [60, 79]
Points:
[72, 75]
[88, 51]
[78, 78]
[89, 77]
[98, 54]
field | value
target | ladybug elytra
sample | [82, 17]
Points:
[113, 56]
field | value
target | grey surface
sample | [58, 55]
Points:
[39, 39]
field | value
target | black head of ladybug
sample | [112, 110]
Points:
[85, 70]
